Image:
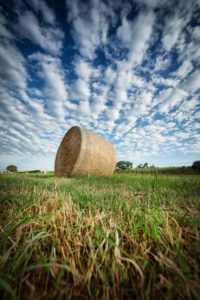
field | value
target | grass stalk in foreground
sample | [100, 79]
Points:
[125, 237]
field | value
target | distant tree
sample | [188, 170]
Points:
[34, 171]
[122, 164]
[145, 166]
[196, 165]
[139, 166]
[11, 168]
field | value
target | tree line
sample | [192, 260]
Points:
[146, 168]
[128, 166]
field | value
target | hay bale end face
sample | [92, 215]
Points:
[82, 152]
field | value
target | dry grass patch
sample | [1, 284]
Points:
[90, 240]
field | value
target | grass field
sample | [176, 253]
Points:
[124, 237]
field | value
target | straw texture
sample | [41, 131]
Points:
[82, 152]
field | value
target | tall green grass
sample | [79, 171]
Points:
[123, 237]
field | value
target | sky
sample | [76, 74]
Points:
[127, 70]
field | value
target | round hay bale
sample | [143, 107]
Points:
[82, 152]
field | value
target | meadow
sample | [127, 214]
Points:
[130, 236]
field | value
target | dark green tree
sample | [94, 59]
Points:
[145, 166]
[139, 166]
[196, 165]
[123, 165]
[11, 168]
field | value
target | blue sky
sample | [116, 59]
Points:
[127, 70]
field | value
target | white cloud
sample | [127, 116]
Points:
[84, 109]
[189, 50]
[83, 69]
[189, 105]
[112, 113]
[124, 32]
[138, 81]
[4, 32]
[170, 98]
[140, 106]
[122, 78]
[98, 106]
[48, 38]
[192, 82]
[196, 33]
[172, 30]
[162, 62]
[171, 82]
[90, 25]
[47, 13]
[184, 69]
[81, 90]
[136, 35]
[51, 71]
[176, 23]
[110, 75]
[154, 3]
[12, 71]
[122, 84]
